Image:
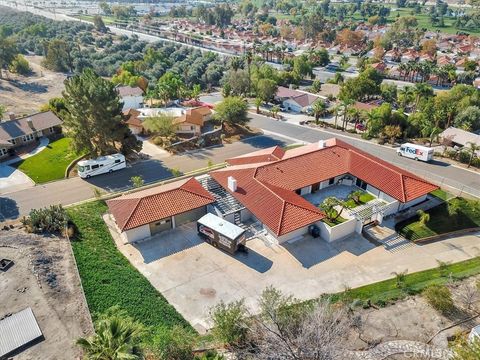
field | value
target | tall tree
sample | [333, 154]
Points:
[232, 110]
[94, 116]
[8, 51]
[57, 56]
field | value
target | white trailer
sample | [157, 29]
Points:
[416, 152]
[101, 165]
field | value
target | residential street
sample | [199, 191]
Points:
[157, 168]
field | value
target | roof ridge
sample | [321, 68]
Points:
[210, 197]
[129, 217]
[30, 115]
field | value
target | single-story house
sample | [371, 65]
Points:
[142, 214]
[273, 187]
[460, 137]
[134, 123]
[16, 132]
[132, 97]
[192, 120]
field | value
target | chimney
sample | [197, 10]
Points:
[321, 144]
[30, 124]
[11, 115]
[232, 184]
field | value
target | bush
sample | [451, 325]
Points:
[47, 220]
[173, 344]
[463, 157]
[451, 154]
[229, 322]
[20, 65]
[440, 298]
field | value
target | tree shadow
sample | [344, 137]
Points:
[33, 87]
[8, 209]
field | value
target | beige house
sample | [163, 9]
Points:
[192, 121]
[17, 132]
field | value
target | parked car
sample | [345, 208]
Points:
[360, 127]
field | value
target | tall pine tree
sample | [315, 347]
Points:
[94, 116]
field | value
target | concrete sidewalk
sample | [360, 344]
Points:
[44, 141]
[12, 180]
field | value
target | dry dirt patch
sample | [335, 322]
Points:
[44, 277]
[26, 94]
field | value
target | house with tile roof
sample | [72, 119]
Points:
[192, 120]
[131, 96]
[17, 132]
[280, 190]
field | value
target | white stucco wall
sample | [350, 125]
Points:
[391, 208]
[136, 234]
[373, 190]
[132, 102]
[412, 203]
[306, 190]
[291, 235]
[338, 231]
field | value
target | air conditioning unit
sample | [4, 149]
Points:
[232, 184]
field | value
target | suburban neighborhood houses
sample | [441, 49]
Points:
[251, 179]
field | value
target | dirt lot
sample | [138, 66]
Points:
[25, 94]
[44, 278]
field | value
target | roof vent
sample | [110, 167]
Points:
[232, 184]
[321, 144]
[11, 115]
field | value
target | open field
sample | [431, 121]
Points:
[44, 278]
[109, 279]
[49, 164]
[24, 95]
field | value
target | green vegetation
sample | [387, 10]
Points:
[440, 298]
[456, 214]
[383, 292]
[109, 279]
[51, 163]
[333, 222]
[363, 198]
[47, 220]
[441, 194]
[292, 146]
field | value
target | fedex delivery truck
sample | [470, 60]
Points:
[416, 152]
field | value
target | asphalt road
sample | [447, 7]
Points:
[15, 204]
[436, 171]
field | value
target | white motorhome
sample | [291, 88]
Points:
[101, 165]
[414, 151]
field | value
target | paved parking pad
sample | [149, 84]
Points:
[194, 276]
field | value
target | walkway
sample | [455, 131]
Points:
[44, 141]
[12, 180]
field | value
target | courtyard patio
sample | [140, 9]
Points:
[340, 192]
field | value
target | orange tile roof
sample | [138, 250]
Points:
[264, 155]
[193, 116]
[267, 188]
[160, 202]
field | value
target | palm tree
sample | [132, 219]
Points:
[117, 337]
[319, 108]
[345, 105]
[472, 149]
[423, 217]
[336, 110]
[421, 90]
[258, 102]
[274, 110]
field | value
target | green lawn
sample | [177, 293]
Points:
[109, 279]
[383, 292]
[337, 221]
[441, 222]
[49, 164]
[364, 198]
[442, 194]
[292, 146]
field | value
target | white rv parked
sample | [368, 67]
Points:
[416, 152]
[101, 165]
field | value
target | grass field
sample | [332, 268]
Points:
[383, 292]
[49, 164]
[109, 279]
[364, 198]
[441, 221]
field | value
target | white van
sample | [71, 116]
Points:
[416, 152]
[101, 165]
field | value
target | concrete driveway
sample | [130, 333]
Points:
[194, 276]
[12, 180]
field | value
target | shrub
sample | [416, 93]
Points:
[229, 322]
[440, 298]
[173, 344]
[463, 157]
[452, 154]
[47, 220]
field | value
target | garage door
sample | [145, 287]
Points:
[161, 225]
[189, 216]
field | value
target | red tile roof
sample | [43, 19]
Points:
[143, 207]
[264, 155]
[267, 186]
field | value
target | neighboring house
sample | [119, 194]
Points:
[142, 214]
[192, 120]
[274, 188]
[300, 103]
[16, 132]
[132, 97]
[132, 120]
[460, 137]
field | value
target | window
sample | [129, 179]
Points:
[331, 181]
[117, 161]
[95, 167]
[298, 191]
[28, 137]
[52, 130]
[12, 141]
[192, 128]
[87, 167]
[3, 151]
[361, 184]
